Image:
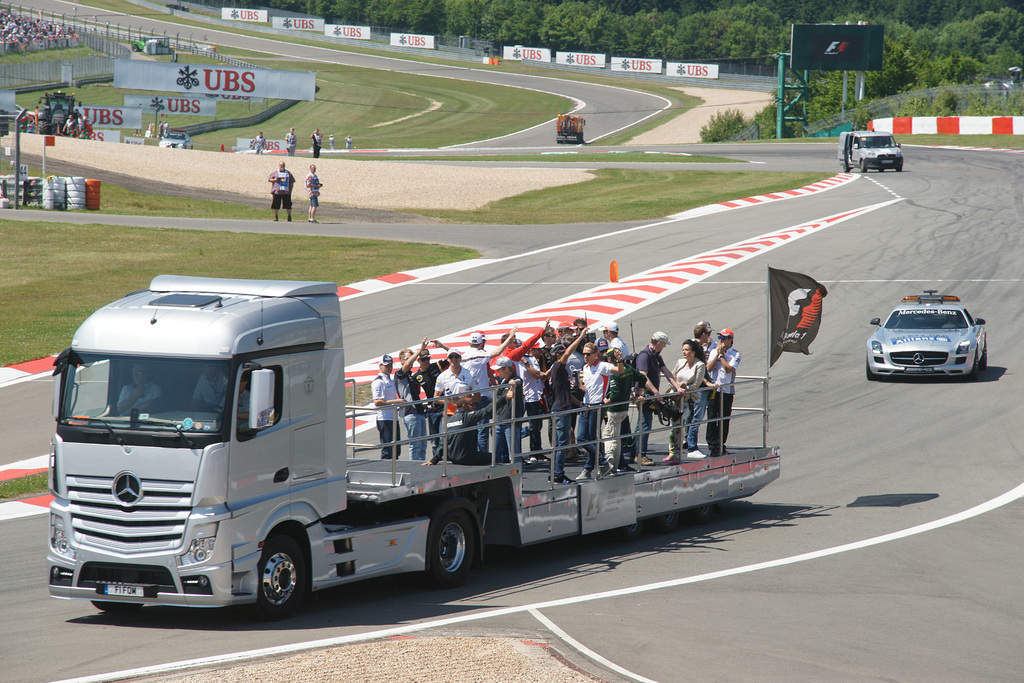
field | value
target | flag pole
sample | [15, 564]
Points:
[768, 357]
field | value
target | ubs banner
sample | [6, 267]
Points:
[214, 79]
[640, 66]
[343, 31]
[113, 117]
[518, 52]
[298, 23]
[591, 59]
[191, 106]
[684, 70]
[236, 14]
[412, 40]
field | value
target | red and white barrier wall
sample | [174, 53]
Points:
[950, 125]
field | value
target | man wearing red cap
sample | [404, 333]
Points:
[721, 366]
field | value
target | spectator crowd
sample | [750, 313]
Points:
[574, 385]
[19, 32]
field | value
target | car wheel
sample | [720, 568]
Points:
[863, 165]
[974, 370]
[872, 377]
[899, 167]
[983, 363]
[281, 579]
[451, 545]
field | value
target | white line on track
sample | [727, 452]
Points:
[250, 655]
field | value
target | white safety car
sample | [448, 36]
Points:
[928, 334]
[176, 138]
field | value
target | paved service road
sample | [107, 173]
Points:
[860, 460]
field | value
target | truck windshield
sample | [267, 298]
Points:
[146, 393]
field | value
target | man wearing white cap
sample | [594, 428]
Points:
[611, 333]
[477, 361]
[386, 394]
[721, 365]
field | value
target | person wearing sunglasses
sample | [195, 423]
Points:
[721, 367]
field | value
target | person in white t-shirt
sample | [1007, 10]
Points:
[721, 366]
[594, 376]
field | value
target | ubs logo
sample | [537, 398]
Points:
[127, 489]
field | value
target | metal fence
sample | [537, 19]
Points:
[891, 106]
[14, 76]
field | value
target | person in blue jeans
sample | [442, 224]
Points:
[561, 404]
[595, 378]
[508, 405]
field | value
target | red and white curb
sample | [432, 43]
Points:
[27, 506]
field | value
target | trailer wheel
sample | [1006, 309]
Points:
[667, 523]
[628, 534]
[117, 607]
[702, 514]
[282, 579]
[450, 549]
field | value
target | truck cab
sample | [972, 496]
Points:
[869, 149]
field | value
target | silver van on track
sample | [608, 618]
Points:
[867, 149]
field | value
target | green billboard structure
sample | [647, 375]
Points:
[824, 47]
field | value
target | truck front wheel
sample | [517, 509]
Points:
[282, 579]
[450, 548]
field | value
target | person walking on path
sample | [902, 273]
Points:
[313, 188]
[348, 142]
[318, 141]
[289, 142]
[281, 183]
[330, 141]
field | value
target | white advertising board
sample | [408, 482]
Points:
[412, 40]
[343, 31]
[638, 66]
[591, 59]
[268, 145]
[7, 100]
[298, 23]
[236, 14]
[171, 104]
[519, 52]
[105, 136]
[113, 117]
[686, 70]
[214, 79]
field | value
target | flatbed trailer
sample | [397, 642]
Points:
[259, 496]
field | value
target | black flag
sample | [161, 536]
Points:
[795, 303]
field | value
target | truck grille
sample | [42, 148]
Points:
[927, 358]
[156, 522]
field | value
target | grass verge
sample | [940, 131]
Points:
[617, 195]
[53, 276]
[23, 487]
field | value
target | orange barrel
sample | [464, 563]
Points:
[92, 194]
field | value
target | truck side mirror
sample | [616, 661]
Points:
[56, 395]
[261, 399]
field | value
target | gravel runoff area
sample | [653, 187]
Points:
[368, 184]
[685, 128]
[443, 659]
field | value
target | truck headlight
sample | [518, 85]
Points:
[201, 548]
[876, 347]
[963, 347]
[59, 541]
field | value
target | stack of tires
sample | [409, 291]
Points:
[92, 194]
[75, 192]
[53, 193]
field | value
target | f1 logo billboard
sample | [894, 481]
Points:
[837, 47]
[214, 79]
